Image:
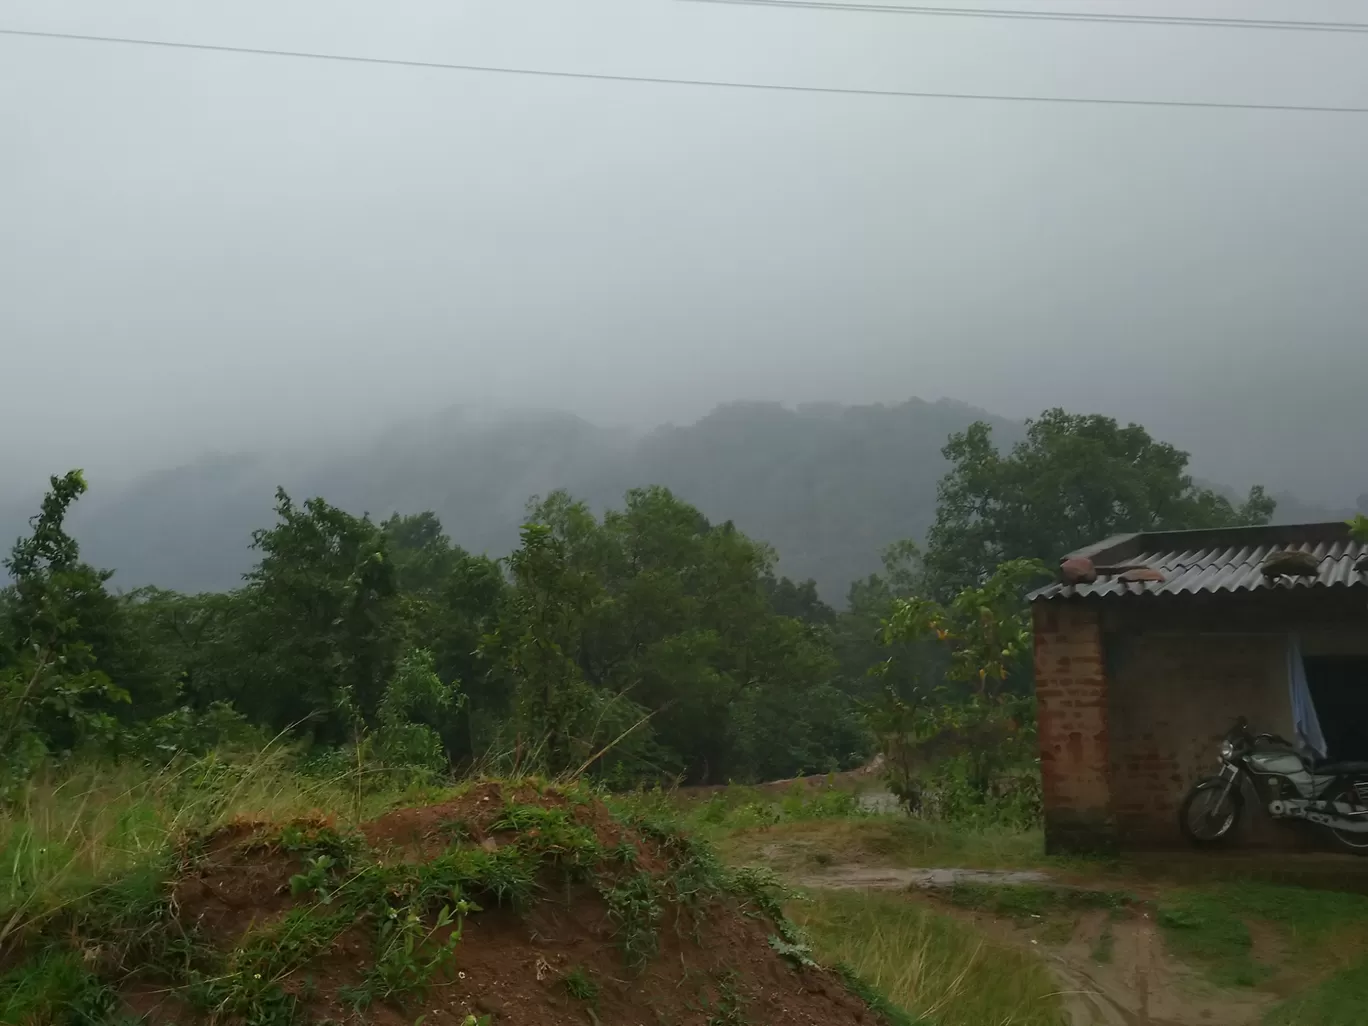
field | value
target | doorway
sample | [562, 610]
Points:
[1339, 688]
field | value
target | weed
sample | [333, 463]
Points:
[891, 1013]
[455, 831]
[309, 841]
[799, 955]
[315, 878]
[729, 1009]
[56, 987]
[635, 907]
[1104, 949]
[580, 985]
[761, 888]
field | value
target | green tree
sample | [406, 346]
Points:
[978, 714]
[870, 662]
[54, 694]
[319, 627]
[446, 601]
[661, 624]
[1075, 479]
[798, 599]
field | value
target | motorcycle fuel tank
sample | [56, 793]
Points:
[1283, 764]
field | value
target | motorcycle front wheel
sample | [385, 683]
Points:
[1210, 812]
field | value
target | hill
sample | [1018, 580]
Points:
[828, 486]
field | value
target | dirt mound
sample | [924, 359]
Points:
[506, 904]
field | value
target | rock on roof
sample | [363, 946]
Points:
[1218, 560]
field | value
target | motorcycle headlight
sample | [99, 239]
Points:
[1227, 749]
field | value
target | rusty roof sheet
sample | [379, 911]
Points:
[1217, 561]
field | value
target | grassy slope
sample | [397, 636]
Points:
[929, 964]
[88, 855]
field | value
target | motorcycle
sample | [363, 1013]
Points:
[1295, 786]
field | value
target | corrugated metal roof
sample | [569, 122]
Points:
[1218, 561]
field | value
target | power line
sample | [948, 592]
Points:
[699, 82]
[1183, 21]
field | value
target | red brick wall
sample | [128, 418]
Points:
[1171, 698]
[1072, 714]
[1133, 699]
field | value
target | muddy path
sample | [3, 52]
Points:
[1140, 984]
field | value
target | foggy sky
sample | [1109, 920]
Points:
[219, 251]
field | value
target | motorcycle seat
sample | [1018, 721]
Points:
[1341, 768]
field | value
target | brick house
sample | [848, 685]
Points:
[1136, 681]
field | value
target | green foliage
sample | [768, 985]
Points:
[635, 907]
[414, 691]
[1358, 527]
[964, 742]
[188, 731]
[54, 695]
[1074, 480]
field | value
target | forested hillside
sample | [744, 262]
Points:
[828, 486]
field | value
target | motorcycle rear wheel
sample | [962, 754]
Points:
[1205, 817]
[1348, 840]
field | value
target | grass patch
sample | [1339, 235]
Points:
[1104, 950]
[580, 985]
[932, 967]
[1209, 926]
[740, 808]
[797, 846]
[1340, 1000]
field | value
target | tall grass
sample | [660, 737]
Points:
[932, 966]
[75, 828]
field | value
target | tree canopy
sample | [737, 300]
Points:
[1074, 479]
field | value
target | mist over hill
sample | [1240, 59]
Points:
[828, 485]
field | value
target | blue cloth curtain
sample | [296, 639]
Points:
[1305, 722]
